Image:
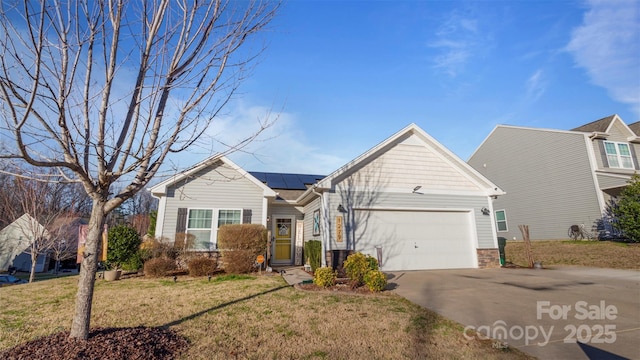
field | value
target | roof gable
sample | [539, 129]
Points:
[608, 125]
[25, 225]
[161, 188]
[432, 157]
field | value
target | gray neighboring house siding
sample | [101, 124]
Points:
[547, 178]
[554, 178]
[232, 191]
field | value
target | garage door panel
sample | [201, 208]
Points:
[416, 240]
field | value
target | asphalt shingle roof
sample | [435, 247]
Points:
[600, 125]
[635, 127]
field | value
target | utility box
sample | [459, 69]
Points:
[502, 242]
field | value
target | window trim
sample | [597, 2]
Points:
[215, 217]
[506, 226]
[618, 155]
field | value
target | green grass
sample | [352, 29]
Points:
[233, 277]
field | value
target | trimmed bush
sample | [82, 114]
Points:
[324, 277]
[123, 244]
[357, 265]
[313, 253]
[375, 280]
[202, 266]
[159, 267]
[239, 245]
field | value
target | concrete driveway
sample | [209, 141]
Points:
[559, 313]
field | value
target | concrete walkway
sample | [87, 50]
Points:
[293, 274]
[562, 313]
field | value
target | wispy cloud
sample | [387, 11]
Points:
[457, 39]
[536, 86]
[281, 147]
[607, 46]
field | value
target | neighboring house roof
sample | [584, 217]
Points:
[601, 128]
[635, 127]
[600, 125]
[161, 188]
[381, 148]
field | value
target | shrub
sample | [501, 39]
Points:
[123, 244]
[159, 267]
[202, 266]
[135, 262]
[239, 245]
[324, 277]
[357, 265]
[375, 280]
[626, 210]
[313, 253]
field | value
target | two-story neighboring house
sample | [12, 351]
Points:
[557, 178]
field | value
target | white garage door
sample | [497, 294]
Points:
[417, 240]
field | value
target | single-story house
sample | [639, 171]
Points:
[15, 240]
[408, 201]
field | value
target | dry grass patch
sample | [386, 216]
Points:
[248, 318]
[604, 254]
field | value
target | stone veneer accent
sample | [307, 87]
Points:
[488, 258]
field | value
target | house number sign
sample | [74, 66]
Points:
[339, 233]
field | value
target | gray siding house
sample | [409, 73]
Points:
[557, 178]
[408, 201]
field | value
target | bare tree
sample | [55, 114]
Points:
[108, 89]
[29, 205]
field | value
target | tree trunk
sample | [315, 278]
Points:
[528, 251]
[88, 268]
[34, 262]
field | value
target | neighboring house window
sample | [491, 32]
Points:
[501, 220]
[200, 224]
[618, 155]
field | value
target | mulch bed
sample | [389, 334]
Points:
[139, 343]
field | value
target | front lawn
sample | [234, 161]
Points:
[248, 318]
[604, 254]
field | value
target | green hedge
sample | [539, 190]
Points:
[313, 253]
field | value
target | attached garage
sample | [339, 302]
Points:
[418, 239]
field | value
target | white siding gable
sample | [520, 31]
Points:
[408, 164]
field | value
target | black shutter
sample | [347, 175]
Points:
[246, 216]
[181, 222]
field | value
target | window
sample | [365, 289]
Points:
[618, 155]
[501, 220]
[229, 217]
[200, 224]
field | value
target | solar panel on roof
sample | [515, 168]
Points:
[286, 181]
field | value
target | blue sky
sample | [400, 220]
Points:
[341, 76]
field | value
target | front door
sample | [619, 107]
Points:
[283, 231]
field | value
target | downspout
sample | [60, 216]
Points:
[323, 233]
